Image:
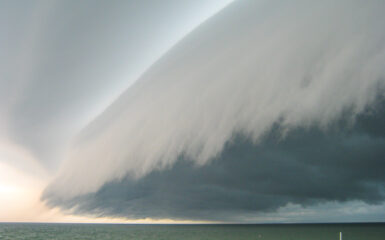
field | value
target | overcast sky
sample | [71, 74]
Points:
[244, 111]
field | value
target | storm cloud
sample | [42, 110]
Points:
[252, 66]
[266, 104]
[308, 167]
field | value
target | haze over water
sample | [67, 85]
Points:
[40, 231]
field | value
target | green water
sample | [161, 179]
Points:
[31, 231]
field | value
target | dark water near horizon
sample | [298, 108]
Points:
[365, 231]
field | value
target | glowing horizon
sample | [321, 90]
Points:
[174, 111]
[23, 175]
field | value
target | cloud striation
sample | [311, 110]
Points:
[239, 117]
[307, 167]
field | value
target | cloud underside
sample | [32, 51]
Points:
[307, 167]
[245, 114]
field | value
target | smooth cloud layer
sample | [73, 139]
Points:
[255, 65]
[63, 62]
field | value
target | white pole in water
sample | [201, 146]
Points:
[340, 235]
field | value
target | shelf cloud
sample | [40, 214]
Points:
[264, 99]
[308, 167]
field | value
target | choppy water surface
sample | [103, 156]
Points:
[185, 232]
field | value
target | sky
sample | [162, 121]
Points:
[192, 111]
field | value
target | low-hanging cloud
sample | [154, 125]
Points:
[255, 65]
[309, 169]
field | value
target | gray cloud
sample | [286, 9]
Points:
[255, 65]
[319, 174]
[64, 61]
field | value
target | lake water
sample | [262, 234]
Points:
[31, 231]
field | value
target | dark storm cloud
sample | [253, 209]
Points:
[307, 167]
[254, 65]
